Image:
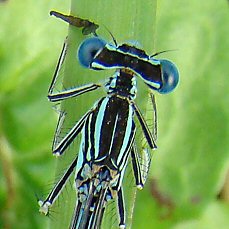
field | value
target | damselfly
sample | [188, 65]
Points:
[108, 129]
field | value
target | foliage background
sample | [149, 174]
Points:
[190, 166]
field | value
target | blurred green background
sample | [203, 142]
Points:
[189, 168]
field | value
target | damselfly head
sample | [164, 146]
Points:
[170, 76]
[88, 50]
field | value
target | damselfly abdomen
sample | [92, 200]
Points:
[107, 138]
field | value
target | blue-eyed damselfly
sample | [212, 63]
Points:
[108, 129]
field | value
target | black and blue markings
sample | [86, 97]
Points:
[160, 75]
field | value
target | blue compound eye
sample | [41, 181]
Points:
[170, 76]
[88, 50]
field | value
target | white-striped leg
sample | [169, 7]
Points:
[69, 138]
[69, 93]
[121, 209]
[57, 189]
[74, 92]
[154, 115]
[136, 168]
[58, 67]
[148, 135]
[141, 165]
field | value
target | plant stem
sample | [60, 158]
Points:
[127, 20]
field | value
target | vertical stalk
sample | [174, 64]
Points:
[127, 20]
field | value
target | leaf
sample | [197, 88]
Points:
[192, 159]
[217, 211]
[27, 60]
[125, 23]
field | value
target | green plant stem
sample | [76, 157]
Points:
[126, 20]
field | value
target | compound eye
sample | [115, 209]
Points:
[170, 77]
[88, 49]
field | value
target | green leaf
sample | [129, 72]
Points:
[192, 159]
[27, 59]
[214, 216]
[125, 23]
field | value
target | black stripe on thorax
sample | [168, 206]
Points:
[111, 133]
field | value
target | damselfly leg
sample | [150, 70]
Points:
[69, 93]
